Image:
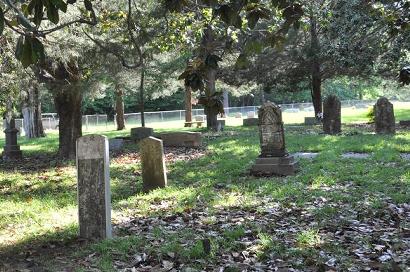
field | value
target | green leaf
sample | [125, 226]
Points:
[71, 2]
[52, 14]
[1, 21]
[19, 47]
[37, 51]
[60, 5]
[24, 51]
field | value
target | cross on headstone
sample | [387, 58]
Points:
[274, 159]
[384, 117]
[153, 164]
[332, 115]
[94, 196]
[11, 149]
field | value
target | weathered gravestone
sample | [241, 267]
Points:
[153, 164]
[384, 117]
[94, 196]
[274, 159]
[139, 133]
[181, 139]
[11, 149]
[248, 122]
[332, 115]
[221, 124]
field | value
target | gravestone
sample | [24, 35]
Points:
[139, 133]
[248, 122]
[238, 115]
[332, 115]
[250, 114]
[384, 117]
[153, 164]
[274, 159]
[11, 148]
[310, 121]
[181, 139]
[221, 124]
[94, 196]
[405, 123]
[200, 118]
[116, 144]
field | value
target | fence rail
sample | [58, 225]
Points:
[91, 122]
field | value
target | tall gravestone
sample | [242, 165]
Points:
[332, 115]
[384, 117]
[274, 159]
[11, 149]
[153, 164]
[94, 196]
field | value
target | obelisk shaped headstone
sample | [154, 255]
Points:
[11, 148]
[332, 114]
[384, 117]
[153, 164]
[94, 196]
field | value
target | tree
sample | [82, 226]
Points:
[335, 38]
[214, 28]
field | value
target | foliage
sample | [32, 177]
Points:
[370, 115]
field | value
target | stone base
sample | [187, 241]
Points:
[12, 153]
[405, 123]
[310, 121]
[181, 139]
[279, 166]
[137, 134]
[250, 122]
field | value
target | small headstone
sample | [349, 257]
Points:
[274, 159]
[11, 148]
[199, 118]
[332, 115]
[310, 121]
[221, 124]
[94, 196]
[153, 164]
[139, 133]
[404, 123]
[384, 117]
[238, 115]
[181, 139]
[251, 114]
[116, 144]
[248, 122]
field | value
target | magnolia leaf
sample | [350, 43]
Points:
[26, 54]
[60, 5]
[52, 14]
[37, 51]
[1, 21]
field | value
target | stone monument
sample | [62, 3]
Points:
[332, 115]
[384, 117]
[153, 164]
[94, 196]
[11, 149]
[139, 133]
[274, 159]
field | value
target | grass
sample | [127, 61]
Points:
[211, 193]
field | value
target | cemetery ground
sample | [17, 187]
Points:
[336, 214]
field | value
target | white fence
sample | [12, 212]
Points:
[91, 122]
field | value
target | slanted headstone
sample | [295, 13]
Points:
[274, 159]
[139, 133]
[332, 115]
[153, 164]
[94, 196]
[11, 149]
[384, 117]
[181, 139]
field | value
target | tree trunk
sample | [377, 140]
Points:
[119, 108]
[142, 101]
[31, 110]
[68, 106]
[188, 104]
[316, 76]
[210, 109]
